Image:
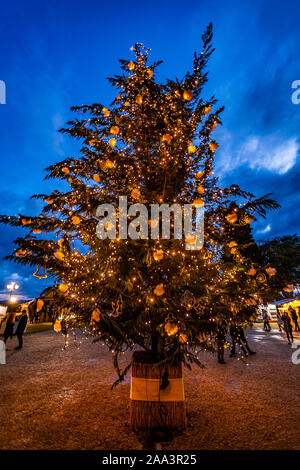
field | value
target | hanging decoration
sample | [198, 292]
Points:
[117, 307]
[40, 276]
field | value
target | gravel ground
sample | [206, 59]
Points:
[55, 399]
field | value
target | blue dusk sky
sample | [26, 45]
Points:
[55, 54]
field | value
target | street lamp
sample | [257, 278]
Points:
[11, 287]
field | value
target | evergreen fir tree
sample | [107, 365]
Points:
[154, 144]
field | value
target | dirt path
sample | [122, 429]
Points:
[55, 399]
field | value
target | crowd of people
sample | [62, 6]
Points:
[285, 322]
[238, 340]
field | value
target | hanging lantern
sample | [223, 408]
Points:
[126, 104]
[232, 244]
[76, 220]
[190, 239]
[158, 255]
[159, 290]
[200, 189]
[48, 200]
[199, 174]
[93, 142]
[188, 95]
[106, 112]
[198, 202]
[65, 170]
[95, 315]
[213, 146]
[109, 164]
[251, 272]
[207, 110]
[171, 328]
[135, 193]
[167, 138]
[138, 99]
[36, 230]
[63, 287]
[150, 73]
[112, 142]
[214, 125]
[191, 148]
[114, 130]
[26, 221]
[59, 255]
[231, 218]
[20, 253]
[96, 178]
[183, 338]
[177, 93]
[271, 271]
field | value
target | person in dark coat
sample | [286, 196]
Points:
[294, 316]
[21, 328]
[238, 337]
[287, 326]
[9, 328]
[221, 340]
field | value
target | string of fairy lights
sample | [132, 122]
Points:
[154, 144]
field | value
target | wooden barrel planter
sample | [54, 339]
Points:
[151, 407]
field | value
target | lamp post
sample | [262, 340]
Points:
[11, 287]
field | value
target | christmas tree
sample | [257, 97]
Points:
[155, 145]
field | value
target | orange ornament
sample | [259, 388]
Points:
[171, 328]
[63, 287]
[188, 95]
[231, 218]
[213, 146]
[191, 148]
[198, 202]
[114, 130]
[106, 112]
[207, 109]
[159, 290]
[135, 193]
[167, 138]
[76, 220]
[183, 338]
[158, 255]
[59, 255]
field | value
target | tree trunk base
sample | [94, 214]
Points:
[156, 396]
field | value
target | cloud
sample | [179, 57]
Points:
[269, 153]
[264, 230]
